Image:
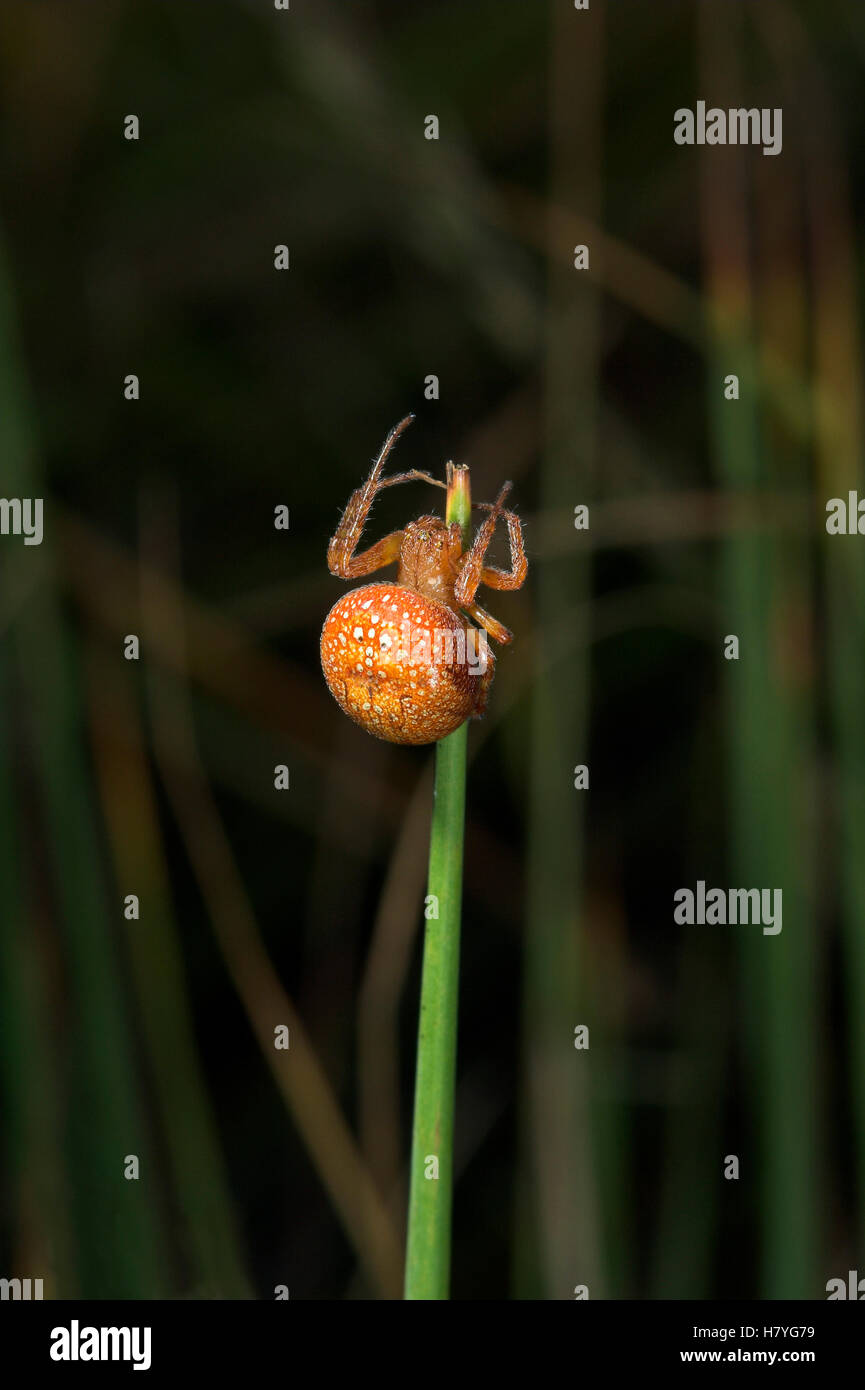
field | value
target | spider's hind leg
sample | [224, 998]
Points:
[490, 624]
[480, 708]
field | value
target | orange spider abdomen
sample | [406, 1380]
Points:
[401, 665]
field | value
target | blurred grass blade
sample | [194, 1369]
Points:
[297, 1071]
[209, 1238]
[840, 447]
[118, 1222]
[559, 1241]
[32, 1112]
[771, 743]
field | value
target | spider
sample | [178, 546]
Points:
[403, 660]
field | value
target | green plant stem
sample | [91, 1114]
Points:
[431, 1186]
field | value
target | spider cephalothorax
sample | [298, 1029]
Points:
[403, 660]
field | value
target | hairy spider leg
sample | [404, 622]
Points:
[489, 623]
[341, 559]
[475, 573]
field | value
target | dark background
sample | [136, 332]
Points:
[412, 257]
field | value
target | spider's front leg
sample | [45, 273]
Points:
[341, 559]
[474, 572]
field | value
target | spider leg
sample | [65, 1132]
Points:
[483, 692]
[341, 559]
[473, 571]
[489, 623]
[515, 577]
[382, 553]
[415, 473]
